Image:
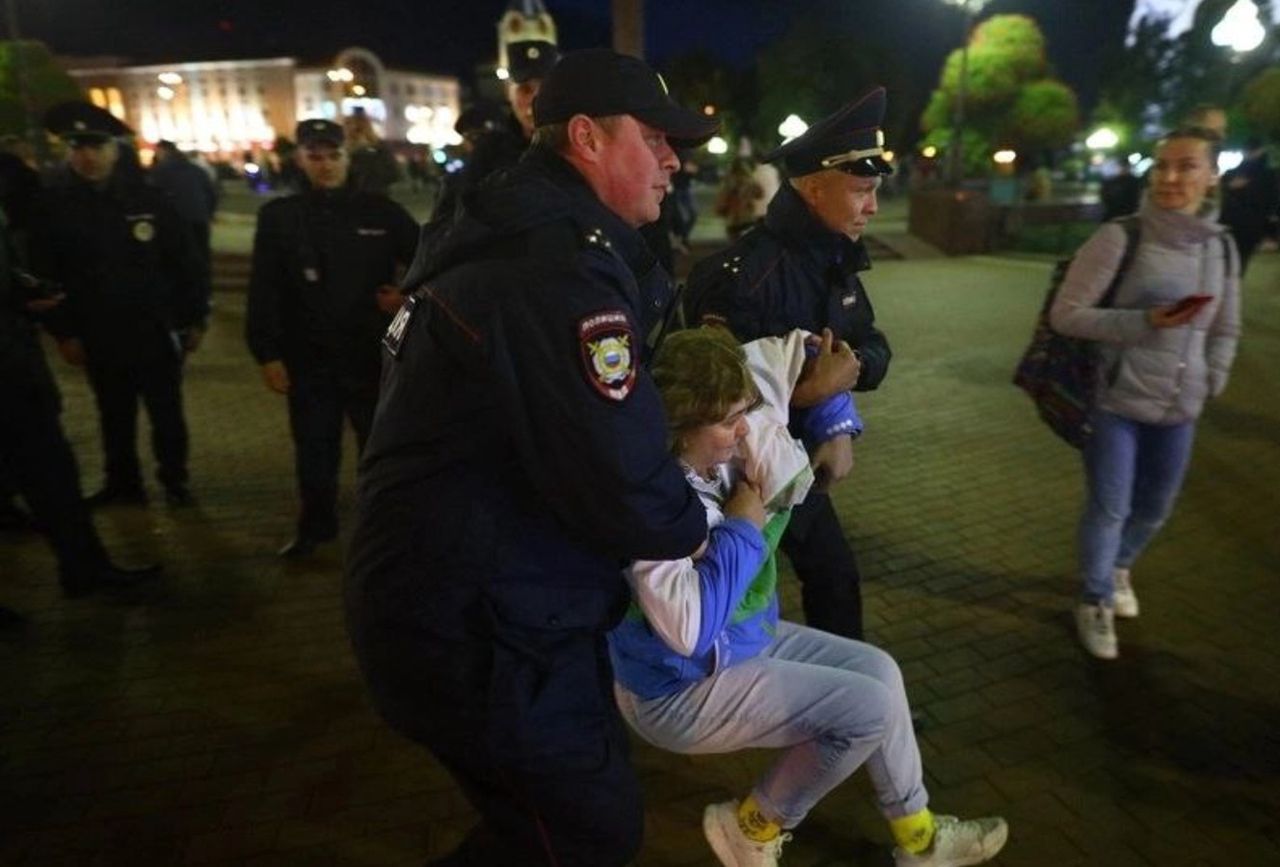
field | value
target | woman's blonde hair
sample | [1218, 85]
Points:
[701, 373]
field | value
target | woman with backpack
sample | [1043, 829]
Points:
[1165, 346]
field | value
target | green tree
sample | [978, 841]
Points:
[46, 84]
[1260, 104]
[1011, 99]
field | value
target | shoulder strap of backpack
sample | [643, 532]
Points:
[1132, 234]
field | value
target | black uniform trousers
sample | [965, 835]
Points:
[43, 469]
[155, 376]
[820, 553]
[532, 736]
[320, 395]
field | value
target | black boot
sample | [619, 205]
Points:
[112, 495]
[108, 576]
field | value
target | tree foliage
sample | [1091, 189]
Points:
[1260, 104]
[46, 83]
[1011, 99]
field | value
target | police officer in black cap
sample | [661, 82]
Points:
[799, 269]
[503, 141]
[137, 297]
[518, 461]
[321, 294]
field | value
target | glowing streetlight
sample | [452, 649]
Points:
[340, 74]
[1004, 157]
[165, 92]
[718, 146]
[358, 90]
[791, 127]
[1102, 139]
[1240, 30]
[170, 78]
[929, 152]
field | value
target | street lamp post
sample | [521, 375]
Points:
[970, 8]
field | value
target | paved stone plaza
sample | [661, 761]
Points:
[217, 718]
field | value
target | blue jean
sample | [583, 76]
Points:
[1133, 472]
[832, 703]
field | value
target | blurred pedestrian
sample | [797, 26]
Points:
[190, 191]
[1165, 346]
[1251, 200]
[518, 459]
[136, 302]
[33, 446]
[1121, 193]
[739, 197]
[321, 294]
[373, 167]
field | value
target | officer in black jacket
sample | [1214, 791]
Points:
[503, 140]
[799, 269]
[518, 461]
[321, 295]
[32, 444]
[137, 298]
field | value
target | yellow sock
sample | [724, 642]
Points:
[755, 825]
[913, 833]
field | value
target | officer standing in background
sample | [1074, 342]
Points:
[799, 269]
[518, 462]
[33, 446]
[321, 295]
[502, 145]
[190, 190]
[136, 298]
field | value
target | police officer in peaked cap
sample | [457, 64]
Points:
[137, 296]
[506, 138]
[800, 268]
[518, 461]
[321, 292]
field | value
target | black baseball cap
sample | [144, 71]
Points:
[82, 122]
[319, 132]
[600, 82]
[850, 141]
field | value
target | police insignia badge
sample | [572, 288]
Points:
[144, 230]
[393, 340]
[607, 353]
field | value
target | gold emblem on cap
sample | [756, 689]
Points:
[533, 52]
[79, 125]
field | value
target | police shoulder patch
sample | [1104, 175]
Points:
[393, 340]
[608, 353]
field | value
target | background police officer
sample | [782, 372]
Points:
[503, 141]
[320, 297]
[136, 298]
[32, 444]
[799, 269]
[518, 461]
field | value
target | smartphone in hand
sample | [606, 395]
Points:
[1190, 302]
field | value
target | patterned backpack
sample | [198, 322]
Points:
[1057, 371]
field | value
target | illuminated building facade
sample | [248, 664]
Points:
[226, 107]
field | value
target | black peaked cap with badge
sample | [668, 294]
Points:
[850, 141]
[82, 122]
[600, 82]
[531, 59]
[318, 131]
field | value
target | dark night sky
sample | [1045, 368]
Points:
[454, 35]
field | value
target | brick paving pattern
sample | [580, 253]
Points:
[217, 717]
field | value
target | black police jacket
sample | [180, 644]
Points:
[792, 272]
[129, 266]
[319, 257]
[518, 458]
[25, 379]
[494, 151]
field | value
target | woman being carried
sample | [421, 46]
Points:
[703, 663]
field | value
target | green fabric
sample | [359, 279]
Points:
[765, 584]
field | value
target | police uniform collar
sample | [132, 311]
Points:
[588, 209]
[789, 219]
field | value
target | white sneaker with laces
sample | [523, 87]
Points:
[957, 843]
[732, 847]
[1124, 599]
[1097, 628]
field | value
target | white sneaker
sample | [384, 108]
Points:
[1097, 628]
[732, 847]
[957, 843]
[1124, 599]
